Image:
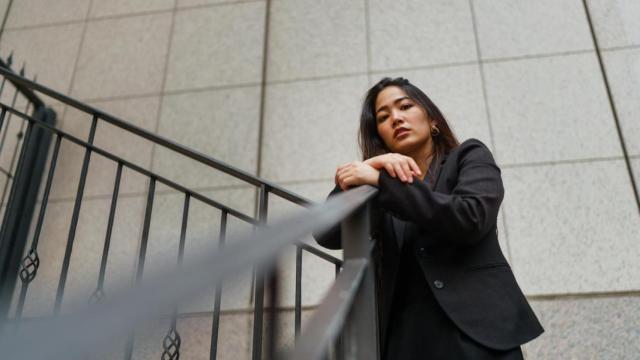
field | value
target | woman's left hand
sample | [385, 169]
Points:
[356, 173]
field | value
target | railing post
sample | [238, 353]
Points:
[21, 205]
[360, 336]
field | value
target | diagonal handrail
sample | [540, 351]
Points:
[128, 164]
[24, 90]
[160, 140]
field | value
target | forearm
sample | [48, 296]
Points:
[463, 216]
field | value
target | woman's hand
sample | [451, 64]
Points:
[356, 173]
[397, 165]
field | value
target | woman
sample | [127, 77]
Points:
[445, 290]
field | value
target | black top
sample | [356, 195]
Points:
[418, 327]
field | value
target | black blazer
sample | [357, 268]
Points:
[457, 247]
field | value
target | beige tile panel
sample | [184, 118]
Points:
[573, 227]
[216, 46]
[603, 327]
[420, 33]
[616, 22]
[222, 124]
[37, 12]
[309, 38]
[3, 7]
[550, 109]
[124, 56]
[311, 128]
[524, 28]
[48, 52]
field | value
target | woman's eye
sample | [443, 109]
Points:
[382, 118]
[405, 106]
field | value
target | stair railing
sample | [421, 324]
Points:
[344, 325]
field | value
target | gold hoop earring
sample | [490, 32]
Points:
[435, 131]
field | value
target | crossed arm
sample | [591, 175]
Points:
[367, 172]
[461, 217]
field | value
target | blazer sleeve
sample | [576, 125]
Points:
[466, 214]
[331, 239]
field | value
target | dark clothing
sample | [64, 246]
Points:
[418, 328]
[455, 262]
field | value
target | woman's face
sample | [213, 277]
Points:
[402, 123]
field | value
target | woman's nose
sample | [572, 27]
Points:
[397, 119]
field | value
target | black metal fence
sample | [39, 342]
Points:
[350, 300]
[23, 152]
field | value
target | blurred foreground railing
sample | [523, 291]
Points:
[348, 310]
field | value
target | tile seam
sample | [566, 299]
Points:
[560, 162]
[128, 15]
[485, 98]
[302, 79]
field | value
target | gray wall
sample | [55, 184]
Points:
[522, 76]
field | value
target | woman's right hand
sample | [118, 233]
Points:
[397, 165]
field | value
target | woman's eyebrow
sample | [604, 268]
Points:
[394, 101]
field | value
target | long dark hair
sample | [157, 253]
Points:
[369, 140]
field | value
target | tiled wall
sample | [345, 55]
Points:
[522, 76]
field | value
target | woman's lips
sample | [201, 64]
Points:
[400, 133]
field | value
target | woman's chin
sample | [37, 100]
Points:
[404, 146]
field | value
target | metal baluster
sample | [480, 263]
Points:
[213, 353]
[13, 106]
[30, 263]
[23, 152]
[4, 79]
[74, 219]
[7, 173]
[143, 252]
[259, 282]
[172, 341]
[273, 284]
[15, 151]
[98, 295]
[298, 300]
[2, 115]
[4, 135]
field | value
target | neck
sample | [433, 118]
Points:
[423, 157]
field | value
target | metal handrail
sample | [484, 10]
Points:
[160, 140]
[128, 164]
[24, 90]
[91, 332]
